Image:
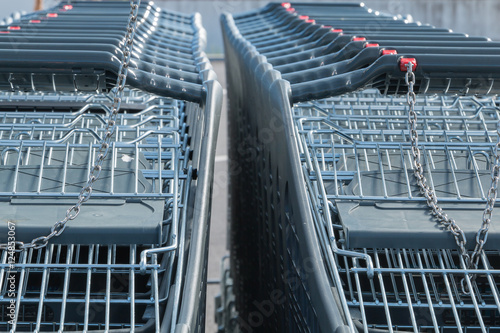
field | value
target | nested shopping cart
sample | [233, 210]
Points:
[370, 145]
[107, 142]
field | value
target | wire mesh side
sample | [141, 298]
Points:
[99, 287]
[348, 140]
[420, 291]
[83, 288]
[148, 146]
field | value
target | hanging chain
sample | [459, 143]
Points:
[58, 228]
[482, 233]
[471, 260]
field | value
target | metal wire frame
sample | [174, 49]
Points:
[419, 291]
[399, 289]
[385, 113]
[96, 287]
[435, 112]
[17, 96]
[130, 97]
[148, 142]
[89, 116]
[74, 287]
[456, 137]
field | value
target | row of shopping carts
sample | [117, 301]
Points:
[131, 254]
[370, 146]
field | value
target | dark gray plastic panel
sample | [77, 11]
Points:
[374, 224]
[274, 233]
[126, 221]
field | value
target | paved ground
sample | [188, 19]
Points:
[218, 239]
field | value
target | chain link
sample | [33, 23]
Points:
[86, 192]
[482, 234]
[471, 259]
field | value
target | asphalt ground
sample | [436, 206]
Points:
[218, 228]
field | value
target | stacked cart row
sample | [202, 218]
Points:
[367, 155]
[108, 122]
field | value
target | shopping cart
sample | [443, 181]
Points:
[417, 271]
[134, 259]
[345, 224]
[173, 51]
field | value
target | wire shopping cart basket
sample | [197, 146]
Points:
[90, 114]
[370, 155]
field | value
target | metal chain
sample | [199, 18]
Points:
[482, 233]
[86, 192]
[471, 260]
